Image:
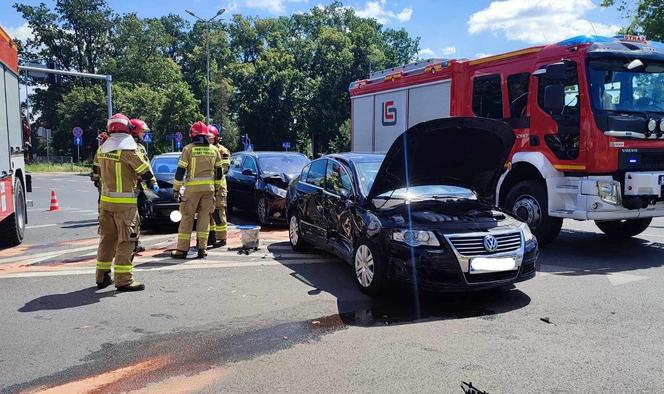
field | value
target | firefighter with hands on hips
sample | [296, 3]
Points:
[140, 128]
[201, 163]
[218, 223]
[119, 166]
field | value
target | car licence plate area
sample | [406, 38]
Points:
[480, 265]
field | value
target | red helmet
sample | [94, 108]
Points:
[119, 123]
[198, 128]
[102, 137]
[139, 125]
[213, 132]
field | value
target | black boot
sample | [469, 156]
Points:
[139, 248]
[133, 286]
[212, 238]
[106, 281]
[202, 254]
[220, 243]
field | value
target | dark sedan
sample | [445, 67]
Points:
[422, 214]
[157, 208]
[257, 182]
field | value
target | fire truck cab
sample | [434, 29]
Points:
[588, 114]
[13, 180]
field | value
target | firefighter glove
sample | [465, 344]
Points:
[176, 195]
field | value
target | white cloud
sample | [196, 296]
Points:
[481, 55]
[273, 6]
[428, 53]
[538, 21]
[22, 32]
[377, 10]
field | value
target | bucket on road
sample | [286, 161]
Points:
[249, 236]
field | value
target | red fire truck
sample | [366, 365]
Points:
[13, 180]
[588, 114]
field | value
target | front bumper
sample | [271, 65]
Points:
[440, 269]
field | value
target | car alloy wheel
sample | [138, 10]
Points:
[261, 209]
[364, 266]
[294, 230]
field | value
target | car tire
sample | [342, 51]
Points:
[369, 268]
[528, 202]
[295, 234]
[12, 230]
[624, 229]
[261, 210]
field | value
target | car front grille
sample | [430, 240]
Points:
[474, 245]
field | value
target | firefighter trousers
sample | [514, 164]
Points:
[195, 202]
[118, 233]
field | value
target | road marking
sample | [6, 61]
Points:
[178, 267]
[42, 225]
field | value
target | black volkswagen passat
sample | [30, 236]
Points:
[257, 182]
[421, 214]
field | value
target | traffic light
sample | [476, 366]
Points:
[53, 79]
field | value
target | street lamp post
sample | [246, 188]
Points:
[207, 51]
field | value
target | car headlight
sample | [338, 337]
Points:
[527, 234]
[276, 191]
[609, 192]
[415, 237]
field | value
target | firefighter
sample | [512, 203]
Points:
[119, 165]
[139, 130]
[218, 223]
[201, 163]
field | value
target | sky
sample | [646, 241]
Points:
[448, 28]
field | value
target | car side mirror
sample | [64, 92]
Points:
[554, 98]
[248, 172]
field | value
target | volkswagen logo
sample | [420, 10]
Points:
[490, 243]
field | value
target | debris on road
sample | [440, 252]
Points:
[546, 320]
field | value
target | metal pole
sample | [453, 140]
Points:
[109, 92]
[78, 153]
[207, 50]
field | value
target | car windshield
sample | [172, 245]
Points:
[430, 192]
[614, 87]
[288, 164]
[165, 165]
[366, 173]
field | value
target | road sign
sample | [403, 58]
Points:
[78, 141]
[78, 132]
[178, 136]
[286, 145]
[178, 144]
[147, 138]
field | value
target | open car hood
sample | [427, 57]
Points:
[466, 152]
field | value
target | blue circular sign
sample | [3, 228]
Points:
[78, 132]
[178, 136]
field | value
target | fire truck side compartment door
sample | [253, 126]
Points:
[4, 132]
[13, 112]
[389, 118]
[362, 124]
[428, 102]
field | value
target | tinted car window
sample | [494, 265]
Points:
[316, 174]
[236, 162]
[165, 165]
[337, 178]
[277, 164]
[249, 164]
[305, 171]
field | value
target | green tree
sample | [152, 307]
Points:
[646, 16]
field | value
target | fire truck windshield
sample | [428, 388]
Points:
[614, 87]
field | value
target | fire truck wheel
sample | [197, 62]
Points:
[528, 202]
[12, 229]
[623, 229]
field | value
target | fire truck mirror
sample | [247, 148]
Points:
[554, 98]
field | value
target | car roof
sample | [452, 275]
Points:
[269, 153]
[358, 157]
[168, 154]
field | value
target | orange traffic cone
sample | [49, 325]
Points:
[54, 202]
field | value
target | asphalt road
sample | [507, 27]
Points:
[279, 321]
